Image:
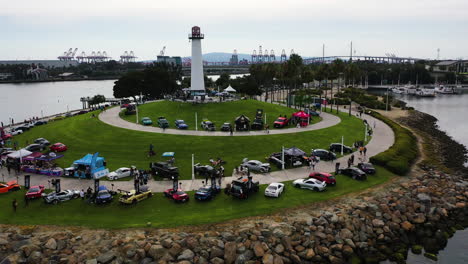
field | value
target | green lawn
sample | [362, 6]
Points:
[218, 113]
[122, 147]
[162, 212]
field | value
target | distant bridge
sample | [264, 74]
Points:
[375, 59]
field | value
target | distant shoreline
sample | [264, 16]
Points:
[64, 80]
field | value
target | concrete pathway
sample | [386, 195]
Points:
[111, 117]
[382, 139]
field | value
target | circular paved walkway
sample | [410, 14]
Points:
[111, 117]
[382, 139]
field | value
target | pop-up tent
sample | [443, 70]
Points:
[33, 156]
[295, 152]
[242, 123]
[19, 154]
[229, 89]
[302, 118]
[90, 164]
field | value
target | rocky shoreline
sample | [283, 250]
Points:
[416, 212]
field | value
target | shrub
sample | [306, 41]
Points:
[399, 157]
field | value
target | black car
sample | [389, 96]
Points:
[324, 154]
[42, 141]
[40, 123]
[241, 188]
[336, 147]
[226, 127]
[22, 127]
[34, 148]
[257, 124]
[164, 169]
[204, 170]
[354, 173]
[366, 167]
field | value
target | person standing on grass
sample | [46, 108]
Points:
[15, 205]
[349, 162]
[26, 201]
[82, 194]
[337, 168]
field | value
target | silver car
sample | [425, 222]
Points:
[55, 198]
[255, 165]
[311, 184]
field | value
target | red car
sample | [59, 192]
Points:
[58, 147]
[281, 122]
[9, 186]
[35, 192]
[323, 176]
[178, 196]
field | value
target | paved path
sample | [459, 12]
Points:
[382, 139]
[111, 117]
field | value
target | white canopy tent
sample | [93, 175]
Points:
[19, 154]
[229, 89]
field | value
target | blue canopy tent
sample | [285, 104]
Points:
[92, 165]
[168, 154]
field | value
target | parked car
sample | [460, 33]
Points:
[146, 121]
[16, 132]
[242, 187]
[203, 170]
[40, 123]
[226, 127]
[9, 187]
[311, 184]
[255, 165]
[323, 176]
[178, 196]
[119, 173]
[180, 124]
[336, 147]
[275, 189]
[206, 193]
[57, 118]
[354, 173]
[22, 127]
[58, 147]
[80, 113]
[366, 167]
[257, 124]
[281, 122]
[162, 122]
[207, 125]
[42, 141]
[133, 197]
[164, 169]
[323, 154]
[55, 198]
[103, 195]
[35, 192]
[34, 148]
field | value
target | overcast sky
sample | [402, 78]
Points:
[417, 28]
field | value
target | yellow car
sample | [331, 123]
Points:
[132, 197]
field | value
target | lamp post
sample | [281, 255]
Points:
[196, 122]
[136, 111]
[365, 134]
[193, 165]
[282, 158]
[342, 145]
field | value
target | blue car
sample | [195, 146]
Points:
[206, 193]
[103, 195]
[180, 124]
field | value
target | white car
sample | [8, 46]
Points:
[275, 189]
[119, 173]
[16, 132]
[255, 165]
[311, 184]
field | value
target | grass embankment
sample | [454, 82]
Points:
[399, 158]
[123, 147]
[219, 113]
[162, 212]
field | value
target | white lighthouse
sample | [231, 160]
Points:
[197, 82]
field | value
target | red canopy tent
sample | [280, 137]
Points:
[302, 117]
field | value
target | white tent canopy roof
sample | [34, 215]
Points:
[230, 89]
[19, 154]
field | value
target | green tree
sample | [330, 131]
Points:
[223, 81]
[97, 99]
